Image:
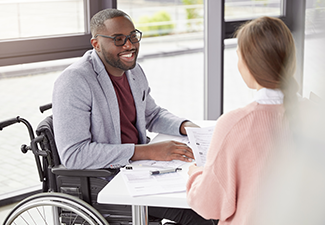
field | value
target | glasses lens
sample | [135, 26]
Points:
[135, 37]
[120, 40]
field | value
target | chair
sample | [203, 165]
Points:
[84, 184]
[51, 205]
[75, 189]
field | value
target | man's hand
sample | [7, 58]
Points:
[163, 151]
[186, 124]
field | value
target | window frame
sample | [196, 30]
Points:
[293, 17]
[55, 47]
[43, 49]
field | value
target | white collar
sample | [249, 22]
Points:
[269, 96]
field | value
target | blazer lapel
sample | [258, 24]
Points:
[109, 92]
[139, 100]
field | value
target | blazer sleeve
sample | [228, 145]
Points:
[83, 138]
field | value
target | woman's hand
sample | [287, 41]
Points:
[193, 168]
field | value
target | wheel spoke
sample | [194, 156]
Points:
[55, 207]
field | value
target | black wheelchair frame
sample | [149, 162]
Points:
[55, 178]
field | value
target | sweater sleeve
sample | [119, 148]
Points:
[244, 143]
[211, 192]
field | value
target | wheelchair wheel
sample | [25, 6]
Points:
[54, 209]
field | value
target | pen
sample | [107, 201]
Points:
[172, 170]
[128, 167]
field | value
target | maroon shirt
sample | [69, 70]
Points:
[128, 116]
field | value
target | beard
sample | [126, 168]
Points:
[116, 62]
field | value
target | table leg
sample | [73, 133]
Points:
[139, 215]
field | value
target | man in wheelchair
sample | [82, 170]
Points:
[102, 108]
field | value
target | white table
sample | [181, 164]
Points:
[116, 192]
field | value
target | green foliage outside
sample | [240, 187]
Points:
[320, 3]
[319, 13]
[192, 13]
[161, 24]
[265, 1]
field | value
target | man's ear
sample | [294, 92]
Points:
[95, 44]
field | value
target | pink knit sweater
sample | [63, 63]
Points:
[243, 143]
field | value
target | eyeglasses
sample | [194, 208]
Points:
[120, 40]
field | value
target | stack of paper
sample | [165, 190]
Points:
[139, 179]
[140, 182]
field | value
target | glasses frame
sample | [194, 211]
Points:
[126, 37]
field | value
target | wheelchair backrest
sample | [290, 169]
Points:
[45, 128]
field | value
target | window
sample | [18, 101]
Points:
[310, 52]
[173, 45]
[247, 9]
[39, 38]
[39, 18]
[171, 52]
[314, 67]
[40, 30]
[291, 12]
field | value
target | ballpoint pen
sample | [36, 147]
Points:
[162, 171]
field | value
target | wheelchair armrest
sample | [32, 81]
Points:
[61, 170]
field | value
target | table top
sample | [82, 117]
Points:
[116, 192]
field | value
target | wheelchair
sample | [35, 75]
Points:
[68, 196]
[54, 208]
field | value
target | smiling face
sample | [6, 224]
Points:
[117, 59]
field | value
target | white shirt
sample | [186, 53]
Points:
[268, 96]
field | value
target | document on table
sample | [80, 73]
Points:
[158, 164]
[140, 182]
[199, 141]
[166, 137]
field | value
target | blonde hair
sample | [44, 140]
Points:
[268, 49]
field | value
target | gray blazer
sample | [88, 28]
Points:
[86, 115]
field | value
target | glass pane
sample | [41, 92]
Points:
[171, 56]
[236, 93]
[314, 66]
[26, 18]
[314, 53]
[21, 93]
[247, 9]
[171, 51]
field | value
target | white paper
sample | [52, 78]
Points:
[166, 137]
[199, 141]
[139, 182]
[158, 164]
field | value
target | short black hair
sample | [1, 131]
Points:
[97, 21]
